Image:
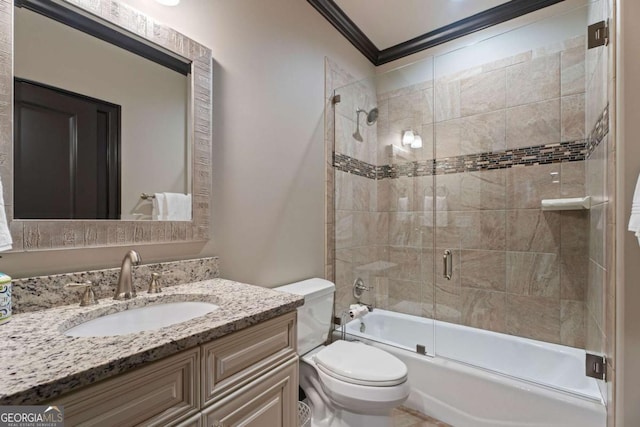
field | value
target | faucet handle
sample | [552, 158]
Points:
[154, 286]
[89, 296]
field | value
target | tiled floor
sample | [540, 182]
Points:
[405, 417]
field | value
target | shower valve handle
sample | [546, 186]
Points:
[359, 287]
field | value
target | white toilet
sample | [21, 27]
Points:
[348, 384]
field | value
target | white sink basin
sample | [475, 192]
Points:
[141, 319]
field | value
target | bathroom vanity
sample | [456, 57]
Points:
[250, 374]
[235, 364]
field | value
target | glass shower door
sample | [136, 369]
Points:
[383, 232]
[406, 152]
[510, 131]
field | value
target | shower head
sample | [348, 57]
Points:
[372, 116]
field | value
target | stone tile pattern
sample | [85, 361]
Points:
[45, 363]
[40, 293]
[600, 184]
[498, 138]
[405, 417]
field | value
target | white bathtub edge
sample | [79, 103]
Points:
[458, 384]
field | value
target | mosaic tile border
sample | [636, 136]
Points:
[348, 164]
[571, 151]
[599, 131]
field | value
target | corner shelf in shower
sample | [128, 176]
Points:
[572, 204]
[376, 266]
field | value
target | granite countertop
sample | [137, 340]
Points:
[38, 362]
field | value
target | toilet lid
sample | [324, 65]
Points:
[358, 363]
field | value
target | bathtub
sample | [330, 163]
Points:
[485, 379]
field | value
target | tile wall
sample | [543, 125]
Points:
[355, 229]
[496, 140]
[517, 269]
[491, 150]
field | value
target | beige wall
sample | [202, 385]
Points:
[154, 158]
[268, 201]
[628, 268]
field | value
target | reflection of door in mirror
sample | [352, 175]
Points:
[71, 140]
[155, 150]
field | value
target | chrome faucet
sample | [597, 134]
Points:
[126, 289]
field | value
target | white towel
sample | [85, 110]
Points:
[634, 221]
[5, 235]
[159, 212]
[177, 206]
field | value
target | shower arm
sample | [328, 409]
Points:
[372, 115]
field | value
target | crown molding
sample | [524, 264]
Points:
[490, 17]
[336, 16]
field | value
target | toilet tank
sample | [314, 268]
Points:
[314, 317]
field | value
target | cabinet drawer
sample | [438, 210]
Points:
[194, 421]
[269, 401]
[154, 395]
[236, 359]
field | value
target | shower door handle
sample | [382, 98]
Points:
[447, 263]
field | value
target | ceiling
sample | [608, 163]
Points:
[388, 23]
[386, 30]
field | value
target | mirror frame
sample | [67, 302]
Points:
[32, 235]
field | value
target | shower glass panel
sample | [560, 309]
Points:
[509, 132]
[454, 155]
[383, 220]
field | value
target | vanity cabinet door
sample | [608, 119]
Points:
[154, 395]
[232, 361]
[270, 401]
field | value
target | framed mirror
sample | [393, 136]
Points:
[107, 141]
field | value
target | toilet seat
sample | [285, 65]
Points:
[361, 364]
[362, 399]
